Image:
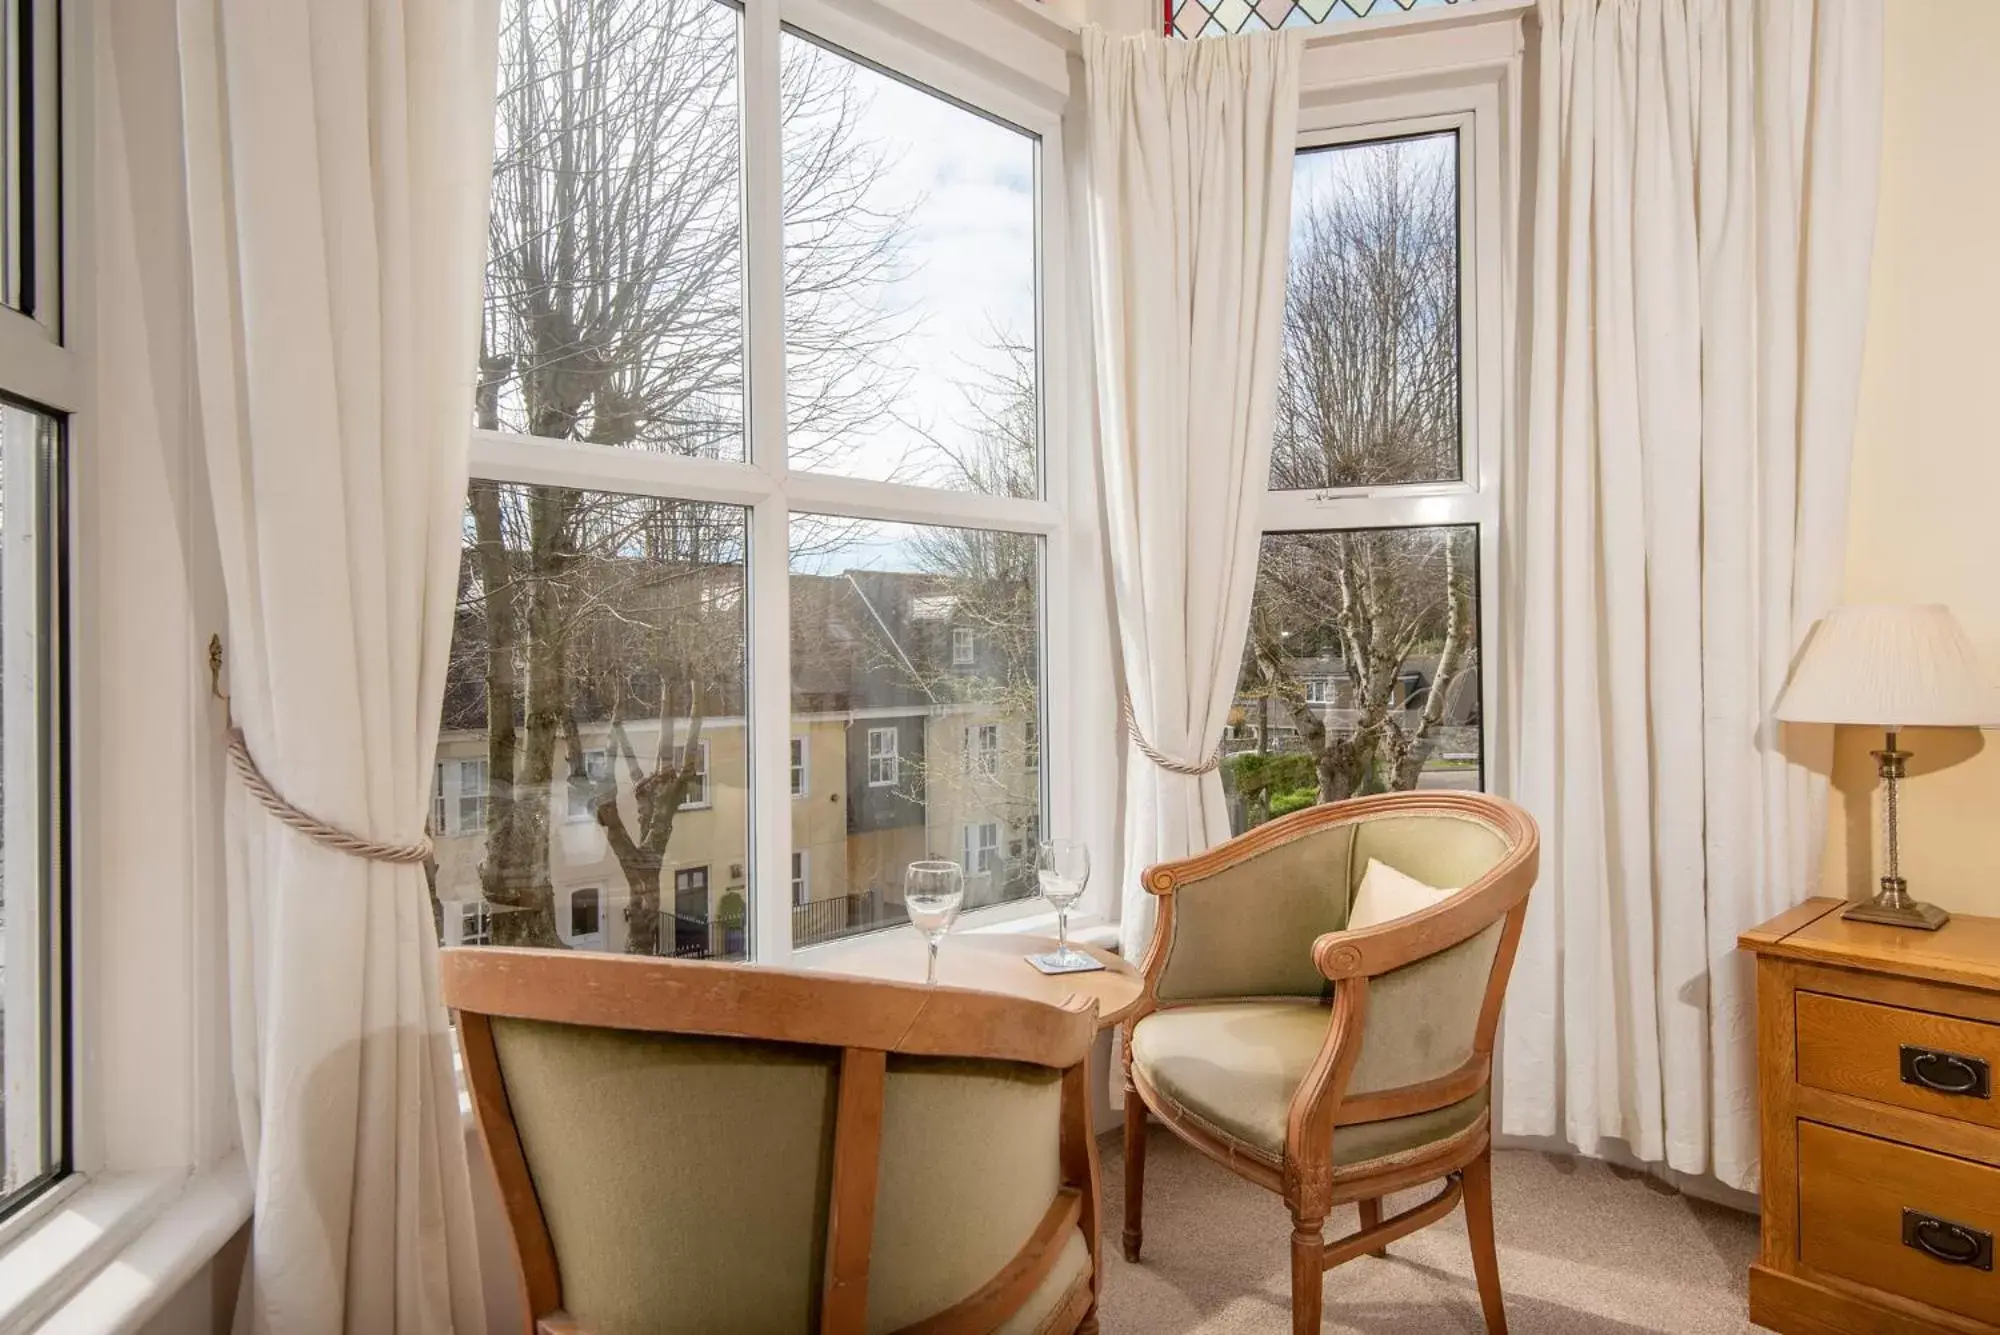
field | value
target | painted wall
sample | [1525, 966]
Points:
[1927, 447]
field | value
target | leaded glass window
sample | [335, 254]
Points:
[1210, 18]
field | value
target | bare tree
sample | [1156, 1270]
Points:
[614, 317]
[1368, 397]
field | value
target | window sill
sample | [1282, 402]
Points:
[111, 1253]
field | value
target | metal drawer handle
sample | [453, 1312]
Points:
[1946, 1072]
[1941, 1239]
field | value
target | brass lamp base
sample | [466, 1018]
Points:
[1894, 908]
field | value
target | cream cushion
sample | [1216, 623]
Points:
[1387, 894]
[1233, 1067]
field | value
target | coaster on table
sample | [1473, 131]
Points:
[1051, 963]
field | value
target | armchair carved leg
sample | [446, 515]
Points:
[1478, 1183]
[1135, 1171]
[1308, 1271]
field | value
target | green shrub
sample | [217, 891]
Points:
[1286, 771]
[1298, 799]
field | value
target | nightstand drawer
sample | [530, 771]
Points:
[1933, 1063]
[1899, 1219]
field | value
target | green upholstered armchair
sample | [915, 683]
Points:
[1331, 1065]
[686, 1146]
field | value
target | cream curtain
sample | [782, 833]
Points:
[1189, 192]
[1702, 194]
[337, 158]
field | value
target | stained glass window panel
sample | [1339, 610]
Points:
[1211, 18]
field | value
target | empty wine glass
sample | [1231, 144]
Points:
[1062, 866]
[933, 893]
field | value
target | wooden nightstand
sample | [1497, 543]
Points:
[1877, 1049]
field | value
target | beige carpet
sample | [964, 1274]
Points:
[1583, 1248]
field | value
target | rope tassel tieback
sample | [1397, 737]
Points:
[323, 833]
[1164, 761]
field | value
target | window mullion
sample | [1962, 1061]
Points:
[770, 521]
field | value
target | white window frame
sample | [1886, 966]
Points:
[700, 799]
[801, 879]
[1013, 68]
[596, 769]
[889, 758]
[982, 749]
[475, 922]
[800, 767]
[1319, 690]
[964, 647]
[460, 794]
[46, 367]
[1461, 77]
[981, 857]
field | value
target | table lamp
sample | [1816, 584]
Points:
[1891, 666]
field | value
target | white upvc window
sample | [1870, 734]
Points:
[596, 770]
[1396, 261]
[982, 847]
[463, 786]
[982, 749]
[801, 889]
[697, 792]
[475, 923]
[839, 399]
[885, 762]
[963, 643]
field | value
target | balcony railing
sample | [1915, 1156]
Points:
[690, 938]
[844, 915]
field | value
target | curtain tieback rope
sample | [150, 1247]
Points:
[323, 833]
[1164, 761]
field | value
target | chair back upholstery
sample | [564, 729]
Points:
[688, 1146]
[1241, 911]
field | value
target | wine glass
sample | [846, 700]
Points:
[1062, 866]
[933, 893]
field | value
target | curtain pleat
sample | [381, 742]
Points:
[337, 157]
[1701, 194]
[1189, 195]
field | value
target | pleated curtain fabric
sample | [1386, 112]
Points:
[1701, 191]
[338, 157]
[1188, 191]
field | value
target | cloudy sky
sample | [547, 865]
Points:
[966, 279]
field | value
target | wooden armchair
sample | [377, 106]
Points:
[1329, 1065]
[686, 1146]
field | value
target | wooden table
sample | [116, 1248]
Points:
[995, 962]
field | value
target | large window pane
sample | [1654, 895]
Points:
[910, 268]
[1361, 674]
[614, 302]
[1369, 390]
[916, 689]
[30, 782]
[593, 769]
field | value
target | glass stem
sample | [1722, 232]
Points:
[930, 969]
[1062, 932]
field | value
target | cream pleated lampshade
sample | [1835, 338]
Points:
[1890, 665]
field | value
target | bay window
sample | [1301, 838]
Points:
[760, 451]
